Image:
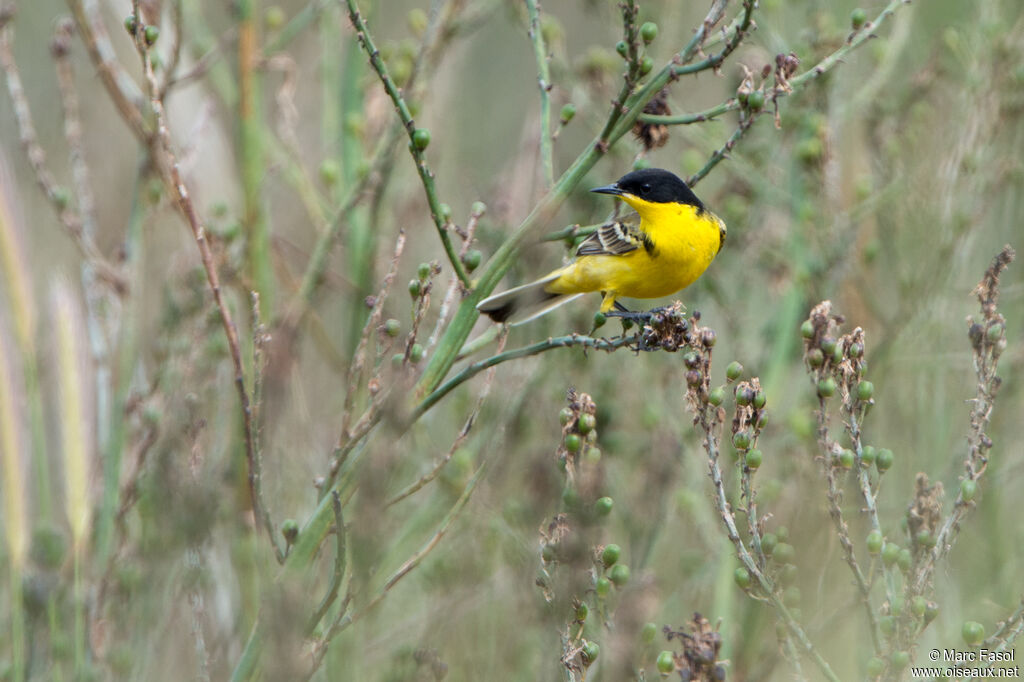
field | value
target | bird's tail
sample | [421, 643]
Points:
[524, 303]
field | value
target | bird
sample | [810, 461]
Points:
[664, 247]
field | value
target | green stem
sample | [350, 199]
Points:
[470, 371]
[17, 625]
[252, 154]
[79, 607]
[127, 352]
[544, 82]
[699, 117]
[426, 176]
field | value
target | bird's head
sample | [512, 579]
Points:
[640, 189]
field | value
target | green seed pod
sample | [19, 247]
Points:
[788, 574]
[274, 17]
[899, 660]
[855, 350]
[415, 288]
[968, 489]
[846, 459]
[603, 506]
[924, 538]
[875, 667]
[867, 455]
[397, 360]
[620, 574]
[828, 345]
[734, 371]
[887, 624]
[759, 400]
[392, 327]
[666, 662]
[890, 553]
[570, 497]
[593, 454]
[807, 328]
[416, 353]
[565, 416]
[603, 586]
[827, 387]
[131, 25]
[896, 606]
[648, 32]
[973, 632]
[783, 533]
[995, 332]
[446, 212]
[418, 21]
[768, 543]
[478, 208]
[590, 652]
[423, 271]
[755, 100]
[918, 606]
[753, 460]
[884, 460]
[905, 560]
[599, 319]
[421, 138]
[610, 555]
[290, 530]
[472, 259]
[744, 396]
[838, 355]
[875, 542]
[791, 597]
[61, 197]
[582, 611]
[857, 18]
[646, 66]
[330, 171]
[784, 553]
[865, 390]
[587, 423]
[815, 358]
[568, 112]
[548, 553]
[930, 612]
[717, 396]
[622, 48]
[741, 440]
[648, 632]
[152, 34]
[573, 442]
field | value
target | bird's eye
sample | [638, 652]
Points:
[645, 188]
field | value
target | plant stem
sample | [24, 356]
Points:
[544, 82]
[251, 153]
[426, 176]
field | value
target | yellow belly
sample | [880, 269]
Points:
[684, 246]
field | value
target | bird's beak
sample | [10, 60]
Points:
[609, 189]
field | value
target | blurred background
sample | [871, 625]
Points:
[887, 187]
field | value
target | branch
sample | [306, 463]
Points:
[472, 370]
[163, 152]
[544, 82]
[426, 176]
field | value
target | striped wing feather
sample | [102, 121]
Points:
[614, 238]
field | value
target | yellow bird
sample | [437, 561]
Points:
[666, 246]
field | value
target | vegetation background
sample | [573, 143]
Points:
[887, 187]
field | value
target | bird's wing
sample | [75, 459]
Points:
[615, 238]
